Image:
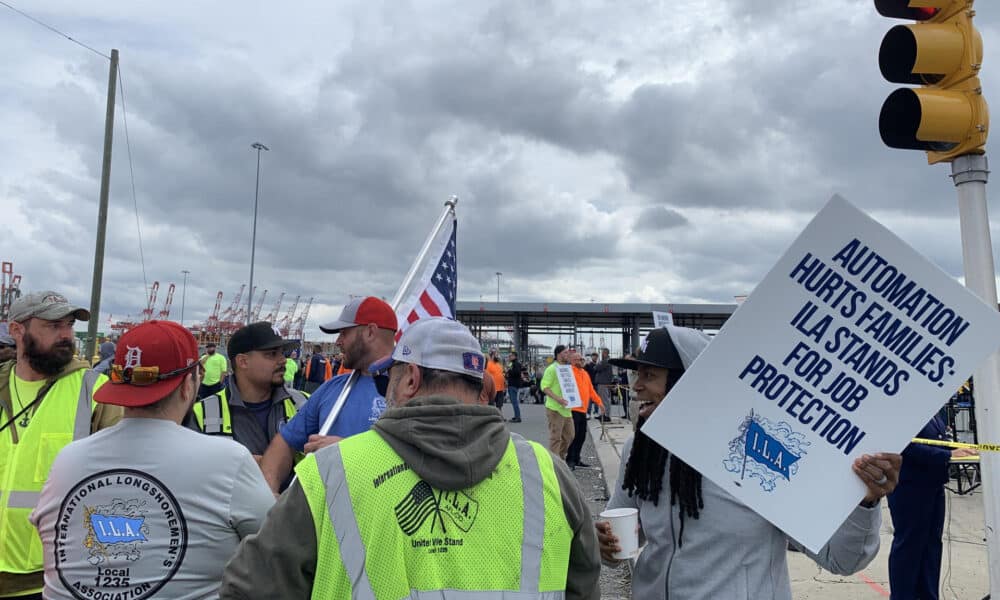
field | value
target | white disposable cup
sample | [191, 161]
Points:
[624, 526]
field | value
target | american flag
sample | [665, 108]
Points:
[434, 294]
[413, 510]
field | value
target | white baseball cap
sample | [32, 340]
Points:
[441, 344]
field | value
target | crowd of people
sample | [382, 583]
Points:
[180, 474]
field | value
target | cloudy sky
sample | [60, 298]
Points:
[639, 151]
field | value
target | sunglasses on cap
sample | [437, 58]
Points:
[144, 375]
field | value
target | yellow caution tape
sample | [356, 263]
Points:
[949, 444]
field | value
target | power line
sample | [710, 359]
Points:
[131, 174]
[128, 144]
[54, 30]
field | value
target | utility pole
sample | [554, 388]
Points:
[102, 211]
[970, 173]
[253, 240]
[184, 294]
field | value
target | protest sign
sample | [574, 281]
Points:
[848, 346]
[567, 382]
[662, 319]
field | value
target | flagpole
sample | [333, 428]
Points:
[745, 446]
[408, 281]
[345, 392]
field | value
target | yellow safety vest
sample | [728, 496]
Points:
[213, 417]
[62, 417]
[401, 538]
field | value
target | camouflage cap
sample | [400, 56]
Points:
[47, 305]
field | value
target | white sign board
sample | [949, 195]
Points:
[848, 346]
[662, 319]
[567, 382]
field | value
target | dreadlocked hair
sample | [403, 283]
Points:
[646, 465]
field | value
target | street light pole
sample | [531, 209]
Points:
[499, 275]
[184, 288]
[253, 240]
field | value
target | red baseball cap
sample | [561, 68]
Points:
[362, 311]
[161, 344]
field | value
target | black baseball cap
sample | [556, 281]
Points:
[257, 336]
[657, 350]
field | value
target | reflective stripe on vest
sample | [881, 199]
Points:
[215, 413]
[212, 412]
[24, 466]
[328, 468]
[534, 514]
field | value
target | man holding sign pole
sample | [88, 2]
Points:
[701, 542]
[557, 406]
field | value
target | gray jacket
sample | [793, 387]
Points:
[603, 374]
[450, 445]
[730, 552]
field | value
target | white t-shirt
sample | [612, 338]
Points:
[147, 509]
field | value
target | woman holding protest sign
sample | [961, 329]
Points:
[701, 542]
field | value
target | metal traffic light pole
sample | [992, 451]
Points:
[947, 117]
[970, 173]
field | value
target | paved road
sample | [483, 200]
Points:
[614, 582]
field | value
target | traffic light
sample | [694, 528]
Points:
[943, 52]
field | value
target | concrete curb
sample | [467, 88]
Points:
[609, 449]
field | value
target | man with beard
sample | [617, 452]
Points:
[701, 542]
[254, 403]
[45, 403]
[367, 330]
[429, 502]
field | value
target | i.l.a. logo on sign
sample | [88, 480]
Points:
[765, 450]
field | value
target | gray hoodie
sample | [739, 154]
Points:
[451, 446]
[729, 552]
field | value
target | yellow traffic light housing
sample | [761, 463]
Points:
[948, 117]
